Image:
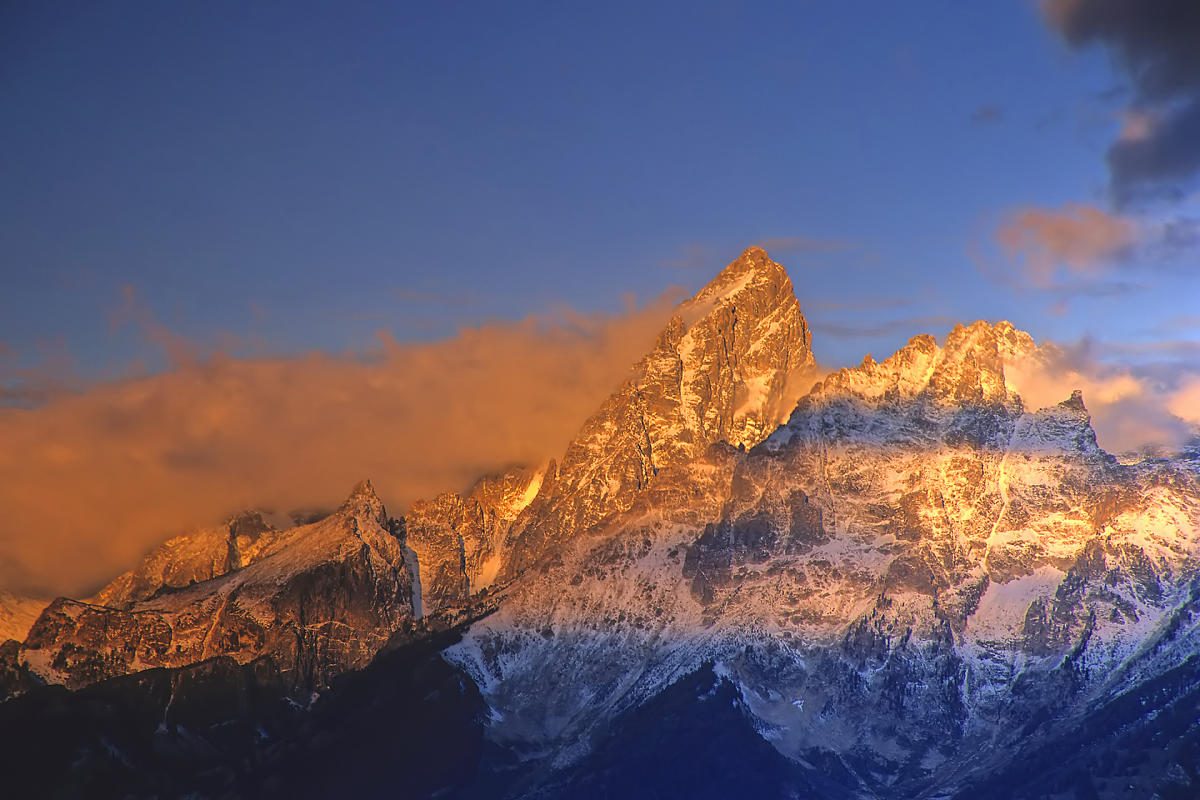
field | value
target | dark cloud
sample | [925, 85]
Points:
[987, 115]
[1157, 42]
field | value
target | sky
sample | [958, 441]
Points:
[208, 207]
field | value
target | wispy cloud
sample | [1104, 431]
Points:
[1076, 239]
[418, 297]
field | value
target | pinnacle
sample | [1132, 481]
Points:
[752, 259]
[1074, 402]
[364, 490]
[753, 270]
[362, 497]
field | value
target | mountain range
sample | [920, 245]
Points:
[896, 581]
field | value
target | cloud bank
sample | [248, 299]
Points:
[90, 481]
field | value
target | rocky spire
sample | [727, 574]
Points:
[726, 368]
[363, 501]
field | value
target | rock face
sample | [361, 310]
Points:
[459, 540]
[726, 368]
[194, 557]
[915, 567]
[318, 600]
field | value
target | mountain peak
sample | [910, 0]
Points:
[752, 272]
[364, 501]
[1074, 402]
[727, 367]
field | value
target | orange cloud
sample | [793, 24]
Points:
[90, 481]
[1081, 239]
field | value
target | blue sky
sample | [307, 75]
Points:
[301, 176]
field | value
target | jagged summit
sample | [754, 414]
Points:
[967, 370]
[1075, 401]
[363, 500]
[728, 366]
[752, 269]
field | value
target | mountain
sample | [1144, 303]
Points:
[193, 557]
[915, 570]
[915, 587]
[726, 368]
[319, 600]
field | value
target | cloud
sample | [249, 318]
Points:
[28, 385]
[1185, 401]
[91, 480]
[179, 350]
[692, 256]
[1082, 240]
[1156, 43]
[987, 115]
[1134, 408]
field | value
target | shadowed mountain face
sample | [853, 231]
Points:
[916, 587]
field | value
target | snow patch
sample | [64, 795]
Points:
[1001, 612]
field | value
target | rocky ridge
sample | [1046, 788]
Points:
[319, 600]
[191, 558]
